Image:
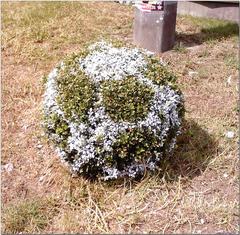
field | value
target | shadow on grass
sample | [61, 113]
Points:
[195, 148]
[209, 32]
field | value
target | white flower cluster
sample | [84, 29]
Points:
[93, 142]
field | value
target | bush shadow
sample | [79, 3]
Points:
[195, 148]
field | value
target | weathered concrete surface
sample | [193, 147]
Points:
[155, 31]
[219, 10]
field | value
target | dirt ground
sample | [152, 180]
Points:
[197, 190]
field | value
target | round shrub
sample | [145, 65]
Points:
[112, 111]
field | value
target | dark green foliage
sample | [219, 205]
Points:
[136, 145]
[127, 99]
[57, 126]
[158, 73]
[75, 91]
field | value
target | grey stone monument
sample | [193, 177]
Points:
[155, 30]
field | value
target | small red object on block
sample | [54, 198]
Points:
[150, 6]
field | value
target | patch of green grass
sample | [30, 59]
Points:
[203, 73]
[180, 49]
[212, 29]
[44, 30]
[232, 61]
[204, 53]
[28, 216]
[30, 14]
[220, 29]
[39, 34]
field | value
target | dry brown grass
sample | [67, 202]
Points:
[197, 189]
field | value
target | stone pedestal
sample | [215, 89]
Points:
[155, 30]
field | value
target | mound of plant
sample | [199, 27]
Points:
[112, 111]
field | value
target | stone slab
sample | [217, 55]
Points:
[218, 10]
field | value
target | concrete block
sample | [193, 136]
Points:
[155, 30]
